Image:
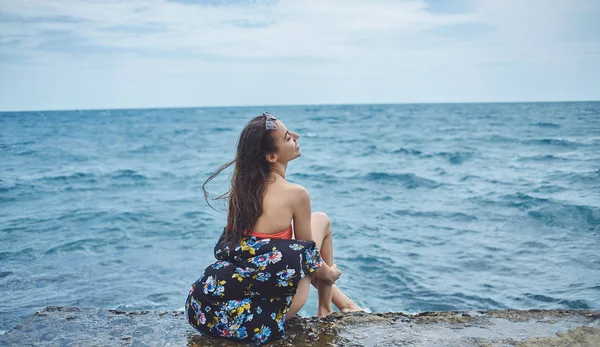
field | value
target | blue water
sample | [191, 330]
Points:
[434, 207]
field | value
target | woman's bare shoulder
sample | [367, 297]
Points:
[293, 187]
[297, 192]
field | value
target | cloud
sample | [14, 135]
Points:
[316, 51]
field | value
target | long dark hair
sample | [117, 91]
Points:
[249, 179]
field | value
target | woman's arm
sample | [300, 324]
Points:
[302, 231]
[302, 215]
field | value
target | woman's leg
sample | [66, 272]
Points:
[299, 298]
[321, 232]
[340, 300]
[323, 236]
[319, 221]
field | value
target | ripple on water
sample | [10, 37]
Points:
[318, 177]
[548, 158]
[408, 180]
[457, 216]
[553, 143]
[85, 177]
[523, 201]
[574, 217]
[587, 178]
[159, 298]
[546, 125]
[93, 245]
[534, 244]
[127, 176]
[549, 189]
[454, 158]
[570, 304]
[406, 151]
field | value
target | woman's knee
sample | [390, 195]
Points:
[322, 220]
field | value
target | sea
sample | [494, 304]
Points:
[434, 207]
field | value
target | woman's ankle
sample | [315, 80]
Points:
[323, 311]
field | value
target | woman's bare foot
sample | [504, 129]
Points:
[352, 307]
[324, 311]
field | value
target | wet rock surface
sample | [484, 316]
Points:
[93, 327]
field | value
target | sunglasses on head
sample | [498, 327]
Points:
[270, 121]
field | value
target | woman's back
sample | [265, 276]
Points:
[277, 207]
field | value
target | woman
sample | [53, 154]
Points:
[264, 266]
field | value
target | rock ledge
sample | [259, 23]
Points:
[84, 327]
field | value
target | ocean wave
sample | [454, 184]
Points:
[76, 176]
[222, 129]
[135, 217]
[549, 188]
[346, 140]
[320, 177]
[312, 109]
[590, 177]
[571, 304]
[4, 199]
[409, 180]
[454, 158]
[91, 244]
[196, 215]
[120, 174]
[82, 216]
[28, 152]
[459, 216]
[368, 151]
[573, 217]
[523, 201]
[533, 244]
[144, 149]
[467, 178]
[546, 125]
[475, 301]
[17, 186]
[500, 139]
[552, 142]
[26, 254]
[542, 158]
[549, 212]
[88, 177]
[317, 167]
[407, 151]
[437, 301]
[79, 182]
[181, 131]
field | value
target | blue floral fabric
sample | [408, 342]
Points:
[246, 293]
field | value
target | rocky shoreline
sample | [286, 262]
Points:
[70, 326]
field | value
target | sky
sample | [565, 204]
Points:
[100, 54]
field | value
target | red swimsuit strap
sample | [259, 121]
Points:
[285, 234]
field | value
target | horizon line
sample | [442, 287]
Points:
[297, 105]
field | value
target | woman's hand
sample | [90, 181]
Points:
[335, 274]
[327, 273]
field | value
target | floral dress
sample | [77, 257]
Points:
[246, 293]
